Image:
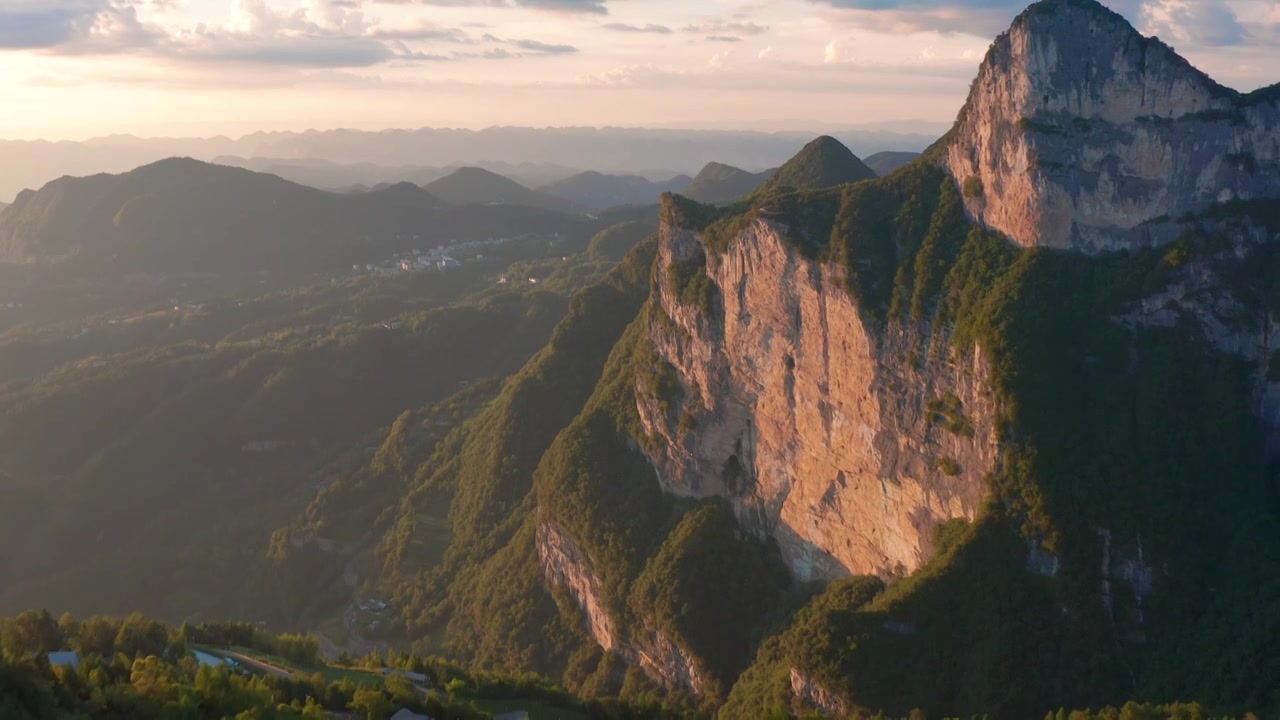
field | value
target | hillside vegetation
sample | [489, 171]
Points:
[825, 162]
[247, 412]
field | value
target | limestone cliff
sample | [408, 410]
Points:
[780, 369]
[1079, 133]
[846, 442]
[566, 565]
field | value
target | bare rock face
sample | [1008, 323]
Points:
[805, 688]
[1079, 132]
[566, 565]
[846, 443]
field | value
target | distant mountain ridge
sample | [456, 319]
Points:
[327, 175]
[884, 163]
[825, 162]
[31, 164]
[185, 215]
[720, 183]
[597, 191]
[477, 186]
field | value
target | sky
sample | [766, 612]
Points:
[72, 69]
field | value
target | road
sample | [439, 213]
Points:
[257, 665]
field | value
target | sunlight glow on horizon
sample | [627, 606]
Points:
[232, 67]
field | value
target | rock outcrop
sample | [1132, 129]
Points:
[846, 443]
[805, 688]
[566, 565]
[1079, 133]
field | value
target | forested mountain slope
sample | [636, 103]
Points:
[148, 454]
[899, 460]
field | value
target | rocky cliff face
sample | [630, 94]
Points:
[804, 687]
[565, 565]
[846, 443]
[1079, 132]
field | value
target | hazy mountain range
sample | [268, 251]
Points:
[181, 214]
[545, 154]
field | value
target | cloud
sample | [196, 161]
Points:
[837, 51]
[724, 38]
[631, 75]
[563, 6]
[421, 30]
[534, 47]
[1203, 23]
[74, 26]
[984, 18]
[316, 34]
[765, 54]
[321, 52]
[723, 28]
[623, 27]
[1208, 23]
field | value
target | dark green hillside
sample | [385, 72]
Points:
[614, 242]
[477, 186]
[139, 669]
[825, 162]
[230, 440]
[484, 600]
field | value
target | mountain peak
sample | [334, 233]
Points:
[477, 186]
[824, 162]
[1079, 132]
[718, 183]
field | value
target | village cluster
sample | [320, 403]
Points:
[451, 255]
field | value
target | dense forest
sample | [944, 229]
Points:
[139, 669]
